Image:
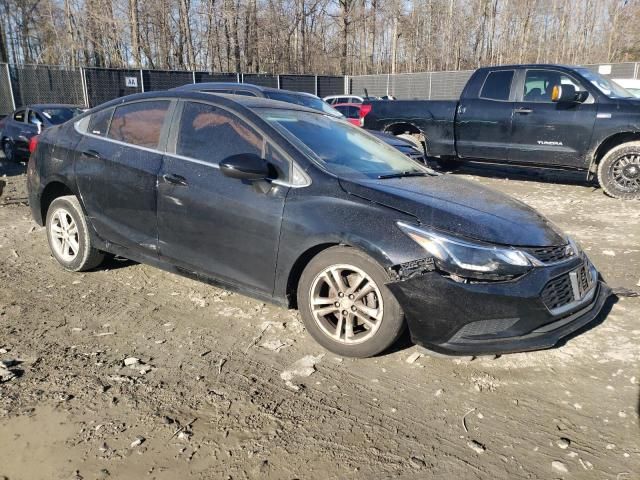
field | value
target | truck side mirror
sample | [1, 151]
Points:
[566, 94]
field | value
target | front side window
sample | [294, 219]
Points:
[340, 147]
[59, 115]
[538, 84]
[497, 85]
[211, 134]
[19, 116]
[139, 123]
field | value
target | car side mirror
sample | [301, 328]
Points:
[245, 166]
[566, 94]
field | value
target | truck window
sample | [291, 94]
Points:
[538, 84]
[497, 85]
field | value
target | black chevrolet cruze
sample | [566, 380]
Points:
[294, 206]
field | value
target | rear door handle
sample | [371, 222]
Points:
[92, 154]
[524, 111]
[175, 179]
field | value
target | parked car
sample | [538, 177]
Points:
[631, 85]
[351, 111]
[543, 116]
[409, 148]
[17, 129]
[337, 99]
[300, 208]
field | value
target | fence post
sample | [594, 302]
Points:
[13, 99]
[240, 78]
[346, 85]
[316, 84]
[430, 75]
[83, 82]
[635, 70]
[141, 81]
[193, 75]
[278, 79]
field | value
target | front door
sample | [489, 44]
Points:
[546, 132]
[212, 224]
[117, 171]
[483, 124]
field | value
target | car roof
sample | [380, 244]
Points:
[37, 106]
[244, 86]
[348, 95]
[347, 104]
[243, 100]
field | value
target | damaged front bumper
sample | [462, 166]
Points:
[533, 312]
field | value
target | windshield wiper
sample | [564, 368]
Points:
[403, 174]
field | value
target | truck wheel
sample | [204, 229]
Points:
[619, 171]
[414, 138]
[68, 236]
[345, 304]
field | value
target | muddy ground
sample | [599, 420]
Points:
[207, 399]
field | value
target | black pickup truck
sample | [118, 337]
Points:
[547, 116]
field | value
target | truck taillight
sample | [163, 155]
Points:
[33, 143]
[364, 111]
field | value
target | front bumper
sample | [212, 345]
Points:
[494, 318]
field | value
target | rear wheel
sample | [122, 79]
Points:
[68, 235]
[619, 171]
[345, 304]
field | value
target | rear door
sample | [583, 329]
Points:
[209, 223]
[117, 171]
[483, 122]
[546, 132]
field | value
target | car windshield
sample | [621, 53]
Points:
[606, 86]
[306, 101]
[60, 115]
[343, 149]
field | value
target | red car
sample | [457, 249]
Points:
[351, 111]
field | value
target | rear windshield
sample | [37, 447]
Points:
[306, 101]
[343, 149]
[60, 115]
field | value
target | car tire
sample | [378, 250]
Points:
[385, 317]
[414, 138]
[9, 151]
[68, 236]
[619, 171]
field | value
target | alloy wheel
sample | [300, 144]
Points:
[65, 238]
[346, 304]
[625, 173]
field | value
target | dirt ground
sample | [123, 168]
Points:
[207, 398]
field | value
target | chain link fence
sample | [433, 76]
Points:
[28, 84]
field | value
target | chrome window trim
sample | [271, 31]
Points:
[282, 183]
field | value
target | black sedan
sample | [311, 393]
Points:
[294, 206]
[17, 129]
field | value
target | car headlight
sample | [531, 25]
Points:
[467, 259]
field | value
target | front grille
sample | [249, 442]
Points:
[558, 293]
[551, 254]
[483, 328]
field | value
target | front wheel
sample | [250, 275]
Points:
[68, 235]
[345, 304]
[619, 171]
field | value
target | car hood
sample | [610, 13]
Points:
[462, 208]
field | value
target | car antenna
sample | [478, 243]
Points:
[366, 94]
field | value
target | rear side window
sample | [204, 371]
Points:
[211, 134]
[99, 122]
[139, 123]
[19, 116]
[34, 118]
[497, 85]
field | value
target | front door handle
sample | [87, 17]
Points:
[175, 179]
[92, 154]
[524, 111]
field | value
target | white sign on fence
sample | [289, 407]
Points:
[131, 82]
[604, 69]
